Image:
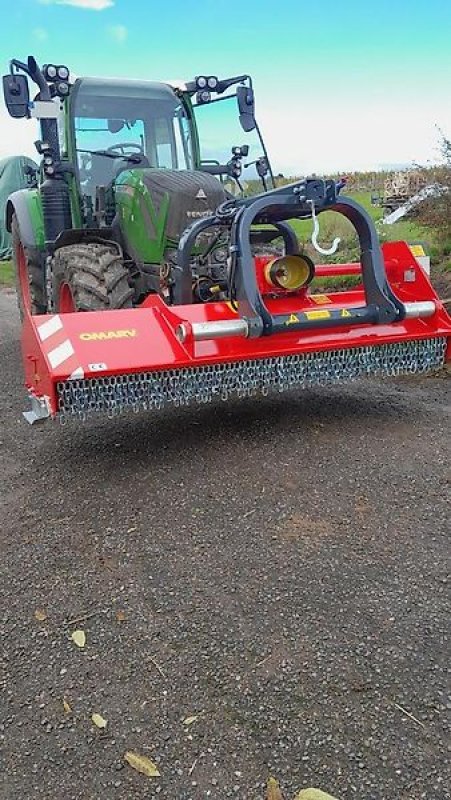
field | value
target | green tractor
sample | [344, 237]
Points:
[126, 167]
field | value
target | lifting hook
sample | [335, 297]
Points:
[329, 251]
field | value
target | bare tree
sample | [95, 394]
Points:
[436, 211]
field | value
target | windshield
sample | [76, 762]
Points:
[146, 122]
[219, 130]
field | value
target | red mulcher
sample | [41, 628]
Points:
[272, 333]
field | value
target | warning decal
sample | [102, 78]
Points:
[314, 315]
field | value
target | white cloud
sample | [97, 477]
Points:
[92, 5]
[17, 136]
[118, 32]
[324, 138]
[40, 34]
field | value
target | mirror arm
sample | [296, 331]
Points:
[18, 65]
[31, 69]
[227, 82]
[215, 169]
[37, 76]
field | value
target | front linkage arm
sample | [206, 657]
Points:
[295, 201]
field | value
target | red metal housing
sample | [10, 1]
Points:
[62, 347]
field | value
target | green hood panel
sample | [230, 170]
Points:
[155, 206]
[142, 225]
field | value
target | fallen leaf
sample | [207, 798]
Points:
[272, 790]
[99, 721]
[40, 615]
[142, 764]
[66, 706]
[131, 530]
[79, 638]
[120, 616]
[313, 794]
[190, 720]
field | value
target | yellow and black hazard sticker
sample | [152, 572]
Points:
[320, 299]
[319, 314]
[417, 250]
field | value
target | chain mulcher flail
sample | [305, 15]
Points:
[137, 211]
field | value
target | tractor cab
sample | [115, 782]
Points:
[119, 125]
[135, 163]
[139, 146]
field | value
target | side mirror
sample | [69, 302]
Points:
[262, 166]
[16, 94]
[246, 107]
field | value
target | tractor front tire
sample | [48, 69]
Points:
[90, 277]
[30, 275]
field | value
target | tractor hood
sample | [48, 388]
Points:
[156, 205]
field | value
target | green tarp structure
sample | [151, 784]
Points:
[12, 177]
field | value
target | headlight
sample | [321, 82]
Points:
[62, 88]
[201, 82]
[50, 72]
[203, 97]
[212, 82]
[63, 73]
[220, 254]
[290, 272]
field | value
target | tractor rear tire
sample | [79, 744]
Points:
[90, 277]
[30, 275]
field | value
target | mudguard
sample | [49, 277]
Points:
[26, 205]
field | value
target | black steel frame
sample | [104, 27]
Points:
[275, 208]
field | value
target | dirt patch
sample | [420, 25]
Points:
[299, 527]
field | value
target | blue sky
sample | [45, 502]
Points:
[340, 84]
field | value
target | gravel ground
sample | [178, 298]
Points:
[275, 568]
